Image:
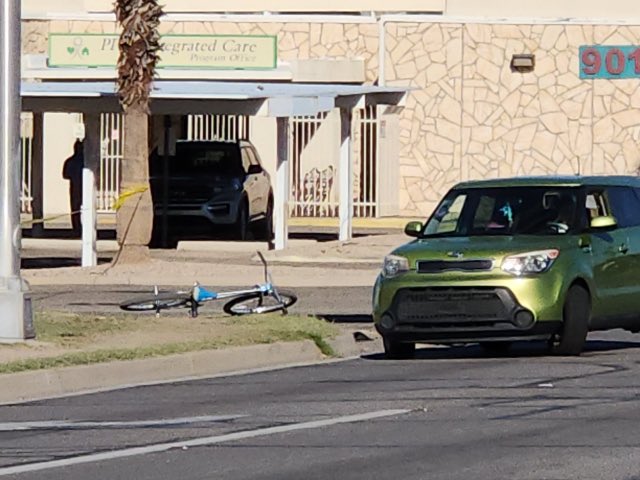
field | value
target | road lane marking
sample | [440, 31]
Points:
[70, 425]
[198, 442]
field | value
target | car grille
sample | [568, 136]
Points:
[190, 196]
[453, 306]
[437, 266]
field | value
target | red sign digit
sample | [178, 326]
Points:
[635, 56]
[619, 62]
[592, 61]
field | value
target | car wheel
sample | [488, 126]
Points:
[496, 348]
[575, 323]
[398, 350]
[242, 222]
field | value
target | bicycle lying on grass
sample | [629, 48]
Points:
[263, 298]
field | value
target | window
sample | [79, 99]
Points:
[625, 206]
[596, 205]
[246, 159]
[446, 218]
[521, 210]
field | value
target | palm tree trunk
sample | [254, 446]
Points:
[135, 215]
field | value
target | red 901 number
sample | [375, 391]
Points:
[615, 60]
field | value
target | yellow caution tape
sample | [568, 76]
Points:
[128, 193]
[116, 206]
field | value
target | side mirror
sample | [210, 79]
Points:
[603, 223]
[254, 169]
[413, 229]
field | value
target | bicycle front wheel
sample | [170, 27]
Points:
[162, 301]
[256, 303]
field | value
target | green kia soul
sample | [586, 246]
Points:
[545, 258]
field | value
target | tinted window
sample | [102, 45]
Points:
[625, 206]
[203, 159]
[505, 211]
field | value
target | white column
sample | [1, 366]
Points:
[88, 213]
[281, 200]
[345, 176]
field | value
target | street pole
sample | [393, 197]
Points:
[15, 302]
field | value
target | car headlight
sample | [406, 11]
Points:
[394, 266]
[530, 262]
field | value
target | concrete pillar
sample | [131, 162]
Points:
[345, 176]
[283, 185]
[89, 175]
[37, 174]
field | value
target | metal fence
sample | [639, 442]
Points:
[217, 127]
[111, 154]
[26, 143]
[313, 188]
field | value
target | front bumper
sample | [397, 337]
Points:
[221, 210]
[467, 311]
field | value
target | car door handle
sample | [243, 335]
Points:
[623, 248]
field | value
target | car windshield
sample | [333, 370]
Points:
[505, 211]
[202, 160]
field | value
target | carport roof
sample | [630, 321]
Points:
[275, 99]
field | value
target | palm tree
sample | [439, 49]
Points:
[139, 54]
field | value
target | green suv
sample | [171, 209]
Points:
[546, 258]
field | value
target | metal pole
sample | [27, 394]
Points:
[15, 305]
[9, 139]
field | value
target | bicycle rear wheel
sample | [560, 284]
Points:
[256, 303]
[156, 303]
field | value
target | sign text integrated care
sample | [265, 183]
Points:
[178, 51]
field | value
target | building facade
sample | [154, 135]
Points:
[470, 112]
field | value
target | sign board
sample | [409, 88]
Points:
[255, 52]
[609, 62]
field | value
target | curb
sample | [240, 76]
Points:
[58, 382]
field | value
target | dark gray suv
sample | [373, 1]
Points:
[215, 183]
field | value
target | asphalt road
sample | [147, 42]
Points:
[452, 413]
[350, 304]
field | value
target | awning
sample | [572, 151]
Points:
[277, 99]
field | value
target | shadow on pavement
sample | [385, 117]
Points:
[56, 262]
[342, 318]
[517, 350]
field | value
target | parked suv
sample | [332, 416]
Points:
[215, 183]
[546, 258]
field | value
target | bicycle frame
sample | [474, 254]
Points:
[200, 295]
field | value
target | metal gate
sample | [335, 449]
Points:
[365, 188]
[217, 127]
[26, 144]
[111, 154]
[313, 189]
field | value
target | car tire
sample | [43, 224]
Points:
[496, 348]
[394, 350]
[242, 222]
[575, 322]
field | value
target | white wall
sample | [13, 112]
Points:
[59, 137]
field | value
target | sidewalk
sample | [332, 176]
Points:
[305, 263]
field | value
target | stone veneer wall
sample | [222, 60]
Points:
[295, 40]
[472, 117]
[469, 116]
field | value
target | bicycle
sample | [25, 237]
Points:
[263, 298]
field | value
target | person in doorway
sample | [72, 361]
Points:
[72, 171]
